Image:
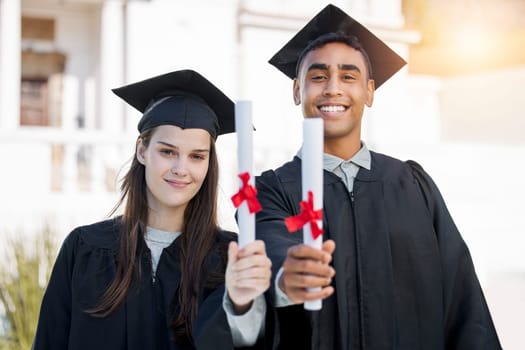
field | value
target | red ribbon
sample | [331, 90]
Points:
[246, 193]
[307, 215]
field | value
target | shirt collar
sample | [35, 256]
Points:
[362, 159]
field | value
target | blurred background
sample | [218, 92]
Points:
[457, 108]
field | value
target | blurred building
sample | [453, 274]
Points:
[64, 137]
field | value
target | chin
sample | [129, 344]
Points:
[333, 134]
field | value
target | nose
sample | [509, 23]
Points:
[179, 167]
[332, 87]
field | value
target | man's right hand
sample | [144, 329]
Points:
[306, 267]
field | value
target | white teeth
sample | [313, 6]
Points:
[332, 109]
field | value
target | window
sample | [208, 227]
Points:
[34, 102]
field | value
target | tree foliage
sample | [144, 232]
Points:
[23, 276]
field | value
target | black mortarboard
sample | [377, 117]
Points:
[332, 19]
[183, 98]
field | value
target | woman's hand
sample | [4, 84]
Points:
[248, 274]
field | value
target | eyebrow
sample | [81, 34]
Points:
[319, 66]
[349, 67]
[323, 66]
[203, 150]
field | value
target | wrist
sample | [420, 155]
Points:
[280, 283]
[240, 308]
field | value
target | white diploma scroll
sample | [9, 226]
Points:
[244, 129]
[312, 180]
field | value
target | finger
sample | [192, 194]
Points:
[256, 272]
[306, 281]
[302, 251]
[252, 261]
[253, 248]
[253, 284]
[308, 267]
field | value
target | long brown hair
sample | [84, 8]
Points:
[199, 231]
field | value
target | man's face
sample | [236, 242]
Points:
[333, 83]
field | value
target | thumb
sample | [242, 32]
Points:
[329, 246]
[233, 249]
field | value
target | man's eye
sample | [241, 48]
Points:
[318, 77]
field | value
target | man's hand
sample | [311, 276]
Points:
[306, 267]
[248, 274]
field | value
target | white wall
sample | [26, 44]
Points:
[25, 183]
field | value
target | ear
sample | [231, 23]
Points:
[139, 152]
[370, 91]
[296, 93]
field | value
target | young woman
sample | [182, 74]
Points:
[154, 278]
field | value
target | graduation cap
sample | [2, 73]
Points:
[182, 98]
[384, 61]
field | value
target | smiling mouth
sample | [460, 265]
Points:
[177, 184]
[332, 108]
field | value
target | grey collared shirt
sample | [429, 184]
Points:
[347, 170]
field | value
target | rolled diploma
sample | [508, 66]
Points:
[312, 180]
[244, 129]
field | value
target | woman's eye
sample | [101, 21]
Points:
[167, 152]
[198, 157]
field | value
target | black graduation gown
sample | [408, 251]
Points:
[86, 265]
[404, 276]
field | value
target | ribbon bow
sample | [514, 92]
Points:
[307, 215]
[246, 193]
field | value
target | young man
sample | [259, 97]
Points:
[401, 276]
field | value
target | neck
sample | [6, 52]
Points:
[342, 148]
[170, 221]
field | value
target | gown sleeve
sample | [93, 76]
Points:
[468, 324]
[248, 327]
[55, 312]
[211, 329]
[278, 205]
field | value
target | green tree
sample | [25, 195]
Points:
[22, 283]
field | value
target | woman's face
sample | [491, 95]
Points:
[176, 163]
